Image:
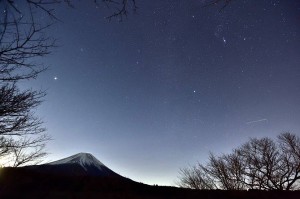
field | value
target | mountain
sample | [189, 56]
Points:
[81, 164]
[82, 176]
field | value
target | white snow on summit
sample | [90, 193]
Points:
[84, 159]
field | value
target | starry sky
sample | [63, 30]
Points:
[163, 88]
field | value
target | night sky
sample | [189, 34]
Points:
[161, 89]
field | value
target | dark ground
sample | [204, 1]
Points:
[23, 183]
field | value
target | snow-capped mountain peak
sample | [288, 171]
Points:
[83, 159]
[81, 164]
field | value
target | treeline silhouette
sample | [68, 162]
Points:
[26, 183]
[259, 164]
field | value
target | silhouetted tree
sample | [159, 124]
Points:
[22, 137]
[121, 7]
[196, 177]
[258, 164]
[22, 40]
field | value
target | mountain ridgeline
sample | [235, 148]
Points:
[82, 176]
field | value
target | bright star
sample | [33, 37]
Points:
[224, 40]
[55, 78]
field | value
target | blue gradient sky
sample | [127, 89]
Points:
[166, 86]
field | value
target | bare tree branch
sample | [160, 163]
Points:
[223, 3]
[22, 137]
[262, 164]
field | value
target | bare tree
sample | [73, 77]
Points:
[22, 137]
[261, 157]
[196, 177]
[262, 164]
[28, 150]
[121, 7]
[226, 171]
[272, 165]
[290, 168]
[22, 41]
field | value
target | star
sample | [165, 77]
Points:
[224, 40]
[55, 78]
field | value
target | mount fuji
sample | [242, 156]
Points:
[81, 164]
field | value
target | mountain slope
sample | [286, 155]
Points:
[81, 164]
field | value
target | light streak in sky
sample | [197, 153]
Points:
[255, 121]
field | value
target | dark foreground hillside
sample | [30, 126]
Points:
[24, 183]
